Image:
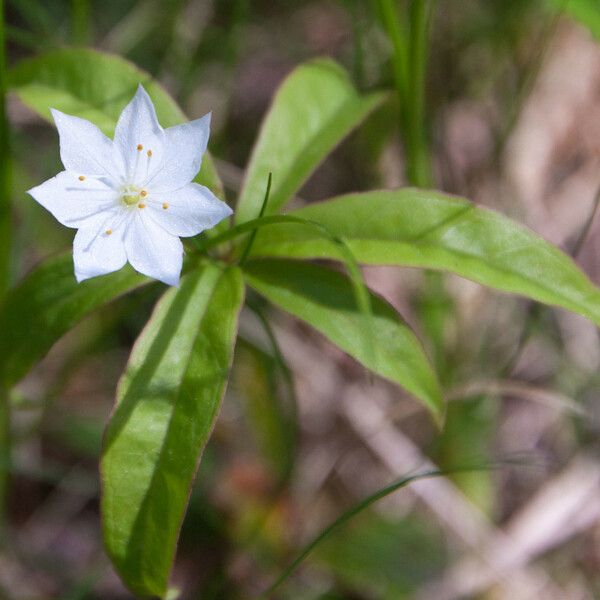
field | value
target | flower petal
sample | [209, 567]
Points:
[98, 248]
[74, 202]
[188, 211]
[84, 149]
[184, 146]
[139, 140]
[152, 251]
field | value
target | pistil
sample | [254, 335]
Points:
[131, 194]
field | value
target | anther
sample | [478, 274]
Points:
[140, 147]
[165, 205]
[108, 231]
[141, 205]
[143, 193]
[81, 177]
[149, 153]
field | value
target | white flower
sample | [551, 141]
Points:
[131, 198]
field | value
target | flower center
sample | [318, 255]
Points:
[131, 194]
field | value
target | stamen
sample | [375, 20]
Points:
[140, 147]
[165, 205]
[108, 231]
[149, 155]
[81, 177]
[143, 193]
[141, 205]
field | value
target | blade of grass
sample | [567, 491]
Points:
[260, 215]
[359, 507]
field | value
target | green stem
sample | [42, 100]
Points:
[418, 155]
[409, 62]
[80, 20]
[5, 167]
[260, 215]
[5, 248]
[396, 31]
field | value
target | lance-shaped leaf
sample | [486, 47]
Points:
[45, 305]
[420, 228]
[325, 299]
[167, 403]
[313, 110]
[95, 86]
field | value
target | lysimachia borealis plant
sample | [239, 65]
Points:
[132, 190]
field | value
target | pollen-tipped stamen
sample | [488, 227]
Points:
[149, 155]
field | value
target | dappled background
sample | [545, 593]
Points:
[513, 113]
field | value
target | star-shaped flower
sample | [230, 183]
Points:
[131, 198]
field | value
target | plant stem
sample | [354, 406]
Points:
[418, 156]
[5, 249]
[409, 62]
[5, 168]
[80, 20]
[396, 31]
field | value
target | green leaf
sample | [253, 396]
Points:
[325, 299]
[95, 86]
[420, 228]
[45, 305]
[167, 403]
[313, 110]
[587, 12]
